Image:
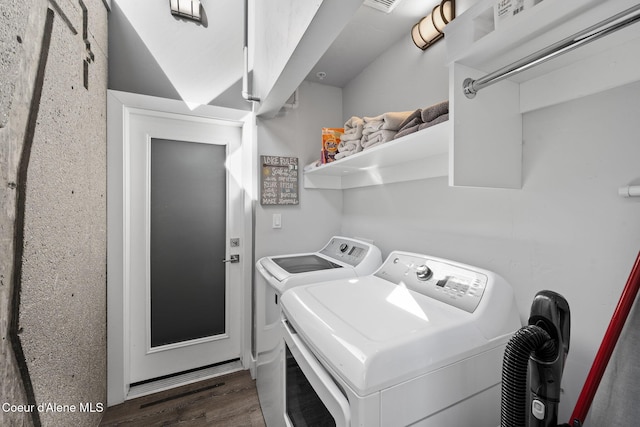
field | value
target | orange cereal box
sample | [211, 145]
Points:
[330, 141]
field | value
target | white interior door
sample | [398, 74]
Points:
[184, 207]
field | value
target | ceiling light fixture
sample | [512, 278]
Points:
[430, 28]
[189, 9]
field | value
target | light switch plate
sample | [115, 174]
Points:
[277, 221]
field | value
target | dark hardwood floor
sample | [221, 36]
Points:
[229, 400]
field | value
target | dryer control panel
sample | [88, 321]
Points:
[453, 283]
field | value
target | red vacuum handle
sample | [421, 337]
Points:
[606, 347]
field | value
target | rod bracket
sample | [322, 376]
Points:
[467, 87]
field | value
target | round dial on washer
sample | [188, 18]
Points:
[423, 272]
[344, 247]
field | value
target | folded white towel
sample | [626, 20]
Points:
[372, 144]
[382, 134]
[352, 134]
[353, 122]
[352, 137]
[344, 154]
[372, 119]
[379, 137]
[372, 126]
[390, 121]
[349, 146]
[393, 120]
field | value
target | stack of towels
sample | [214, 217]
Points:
[383, 128]
[368, 132]
[424, 118]
[350, 139]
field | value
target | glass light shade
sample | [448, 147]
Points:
[441, 16]
[186, 8]
[417, 39]
[430, 28]
[427, 28]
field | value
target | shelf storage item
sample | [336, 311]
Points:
[423, 154]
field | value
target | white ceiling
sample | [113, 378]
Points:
[369, 33]
[200, 60]
[203, 61]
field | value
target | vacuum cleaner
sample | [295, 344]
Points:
[534, 360]
[533, 364]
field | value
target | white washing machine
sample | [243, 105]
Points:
[341, 257]
[419, 343]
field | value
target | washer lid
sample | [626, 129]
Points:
[341, 257]
[281, 280]
[304, 263]
[375, 334]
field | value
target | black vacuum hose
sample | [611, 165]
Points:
[528, 339]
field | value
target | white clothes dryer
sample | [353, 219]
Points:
[419, 343]
[341, 257]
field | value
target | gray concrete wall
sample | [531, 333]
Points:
[19, 26]
[53, 221]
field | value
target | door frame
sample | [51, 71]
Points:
[119, 108]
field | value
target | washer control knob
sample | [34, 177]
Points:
[344, 247]
[423, 272]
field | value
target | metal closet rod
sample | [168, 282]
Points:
[471, 86]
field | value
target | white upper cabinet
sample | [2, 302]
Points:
[487, 130]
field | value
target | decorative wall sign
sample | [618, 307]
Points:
[279, 180]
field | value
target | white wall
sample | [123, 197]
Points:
[565, 230]
[307, 226]
[404, 78]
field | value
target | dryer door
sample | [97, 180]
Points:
[312, 398]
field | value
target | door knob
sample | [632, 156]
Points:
[234, 258]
